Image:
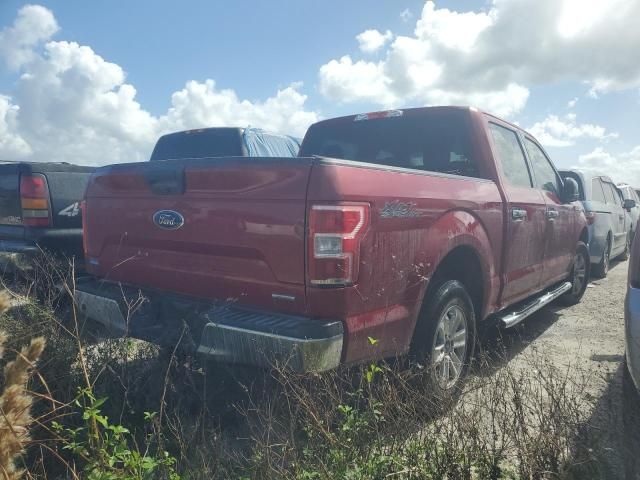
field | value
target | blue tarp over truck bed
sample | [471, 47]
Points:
[224, 142]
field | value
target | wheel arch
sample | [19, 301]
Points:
[456, 265]
[459, 248]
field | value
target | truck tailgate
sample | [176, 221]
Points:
[232, 229]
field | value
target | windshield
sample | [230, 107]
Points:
[433, 142]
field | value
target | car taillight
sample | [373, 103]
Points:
[34, 199]
[335, 233]
[591, 217]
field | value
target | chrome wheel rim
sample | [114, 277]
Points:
[579, 274]
[449, 347]
[606, 260]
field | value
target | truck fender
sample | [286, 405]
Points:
[452, 232]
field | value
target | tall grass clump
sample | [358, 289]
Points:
[15, 401]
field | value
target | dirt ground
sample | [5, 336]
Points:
[590, 337]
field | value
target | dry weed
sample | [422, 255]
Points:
[15, 401]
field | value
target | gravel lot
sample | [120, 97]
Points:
[590, 337]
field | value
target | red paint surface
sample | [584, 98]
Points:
[245, 238]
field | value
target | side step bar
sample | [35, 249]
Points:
[515, 317]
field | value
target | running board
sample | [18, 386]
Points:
[513, 318]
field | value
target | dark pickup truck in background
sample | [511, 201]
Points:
[40, 207]
[408, 227]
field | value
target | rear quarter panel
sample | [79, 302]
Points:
[417, 218]
[601, 228]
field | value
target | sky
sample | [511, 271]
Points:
[97, 82]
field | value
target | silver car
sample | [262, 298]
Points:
[608, 218]
[629, 193]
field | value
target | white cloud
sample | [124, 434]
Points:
[621, 168]
[406, 15]
[371, 41]
[33, 25]
[347, 80]
[72, 105]
[555, 131]
[489, 54]
[572, 103]
[201, 104]
[12, 145]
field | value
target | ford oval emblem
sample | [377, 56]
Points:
[168, 219]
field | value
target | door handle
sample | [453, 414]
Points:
[518, 214]
[552, 214]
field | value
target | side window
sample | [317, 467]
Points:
[617, 194]
[609, 193]
[597, 194]
[514, 164]
[546, 177]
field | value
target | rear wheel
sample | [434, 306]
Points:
[444, 339]
[579, 276]
[602, 269]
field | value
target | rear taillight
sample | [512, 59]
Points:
[335, 233]
[634, 263]
[34, 199]
[591, 217]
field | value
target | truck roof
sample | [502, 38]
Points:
[586, 174]
[416, 112]
[413, 111]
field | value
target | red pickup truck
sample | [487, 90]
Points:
[407, 226]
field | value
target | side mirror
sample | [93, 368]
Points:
[571, 191]
[629, 204]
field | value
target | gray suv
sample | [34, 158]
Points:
[608, 218]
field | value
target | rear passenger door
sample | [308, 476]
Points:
[618, 220]
[525, 217]
[560, 240]
[604, 220]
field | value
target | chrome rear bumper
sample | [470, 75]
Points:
[230, 344]
[220, 332]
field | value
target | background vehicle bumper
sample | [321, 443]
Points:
[16, 246]
[597, 243]
[216, 330]
[31, 241]
[632, 333]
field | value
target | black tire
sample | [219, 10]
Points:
[627, 248]
[602, 269]
[449, 300]
[579, 276]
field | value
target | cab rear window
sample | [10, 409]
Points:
[434, 142]
[199, 144]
